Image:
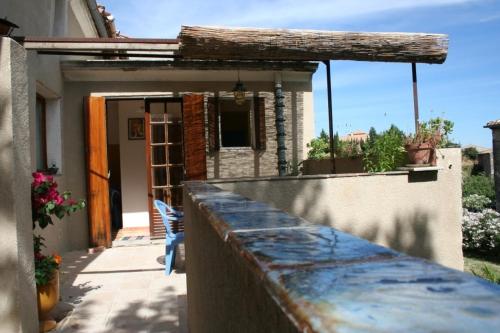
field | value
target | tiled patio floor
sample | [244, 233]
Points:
[122, 289]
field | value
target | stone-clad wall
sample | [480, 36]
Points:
[246, 162]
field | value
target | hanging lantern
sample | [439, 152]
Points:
[239, 91]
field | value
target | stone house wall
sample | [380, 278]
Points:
[247, 162]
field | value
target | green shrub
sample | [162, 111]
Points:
[319, 148]
[479, 184]
[384, 151]
[471, 153]
[476, 202]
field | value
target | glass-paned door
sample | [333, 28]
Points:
[165, 157]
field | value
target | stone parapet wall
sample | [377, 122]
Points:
[253, 268]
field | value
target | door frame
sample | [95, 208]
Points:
[147, 133]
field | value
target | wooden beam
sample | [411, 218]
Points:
[280, 44]
[98, 44]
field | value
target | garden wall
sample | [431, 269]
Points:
[418, 213]
[324, 167]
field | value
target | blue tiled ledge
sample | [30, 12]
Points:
[330, 281]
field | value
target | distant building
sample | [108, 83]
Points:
[484, 159]
[355, 136]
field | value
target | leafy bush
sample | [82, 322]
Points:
[444, 127]
[475, 202]
[384, 151]
[481, 230]
[319, 148]
[479, 184]
[471, 153]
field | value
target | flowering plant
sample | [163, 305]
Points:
[481, 230]
[46, 202]
[45, 266]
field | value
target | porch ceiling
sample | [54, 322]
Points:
[182, 71]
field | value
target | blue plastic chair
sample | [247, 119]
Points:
[171, 239]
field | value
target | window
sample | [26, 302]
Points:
[232, 125]
[40, 134]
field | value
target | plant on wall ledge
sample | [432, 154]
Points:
[47, 203]
[319, 148]
[431, 134]
[384, 151]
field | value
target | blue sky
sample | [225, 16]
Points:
[465, 89]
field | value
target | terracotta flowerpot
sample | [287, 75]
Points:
[420, 154]
[47, 299]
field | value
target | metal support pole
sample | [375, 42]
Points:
[330, 114]
[415, 94]
[279, 107]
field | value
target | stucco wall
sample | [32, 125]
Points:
[50, 18]
[17, 295]
[414, 213]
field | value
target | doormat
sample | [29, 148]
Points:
[132, 241]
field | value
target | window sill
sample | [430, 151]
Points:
[420, 169]
[223, 149]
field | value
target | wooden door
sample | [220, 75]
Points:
[164, 158]
[97, 172]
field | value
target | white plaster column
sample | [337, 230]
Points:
[18, 311]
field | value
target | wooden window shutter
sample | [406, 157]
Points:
[194, 137]
[97, 172]
[260, 123]
[213, 124]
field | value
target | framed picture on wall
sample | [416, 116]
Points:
[136, 128]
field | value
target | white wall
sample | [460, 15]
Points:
[133, 168]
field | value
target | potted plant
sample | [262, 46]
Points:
[47, 202]
[421, 146]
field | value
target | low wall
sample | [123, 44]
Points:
[418, 213]
[324, 167]
[253, 268]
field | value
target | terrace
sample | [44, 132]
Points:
[283, 253]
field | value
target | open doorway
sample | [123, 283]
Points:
[127, 169]
[146, 163]
[142, 150]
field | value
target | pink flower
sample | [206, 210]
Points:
[52, 194]
[59, 200]
[38, 179]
